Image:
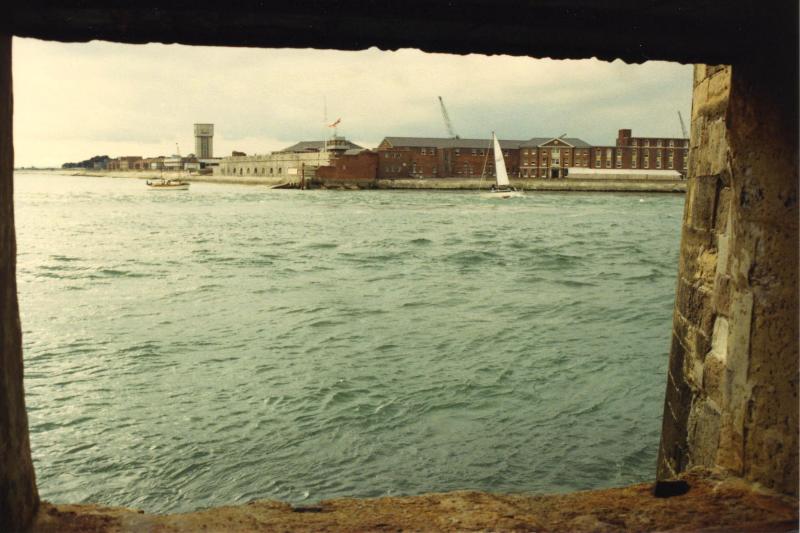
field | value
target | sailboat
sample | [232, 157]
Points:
[502, 187]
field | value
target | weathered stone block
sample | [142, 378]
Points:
[710, 95]
[711, 156]
[699, 98]
[722, 294]
[723, 205]
[715, 380]
[702, 207]
[703, 429]
[739, 326]
[694, 303]
[699, 74]
[719, 339]
[673, 456]
[701, 345]
[731, 444]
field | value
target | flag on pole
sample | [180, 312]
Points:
[338, 120]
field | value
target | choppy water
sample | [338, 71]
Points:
[188, 349]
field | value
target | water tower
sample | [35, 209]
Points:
[204, 141]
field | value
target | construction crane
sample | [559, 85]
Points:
[447, 122]
[683, 126]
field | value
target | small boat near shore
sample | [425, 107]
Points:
[168, 185]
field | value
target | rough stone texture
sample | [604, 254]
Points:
[18, 496]
[713, 503]
[732, 387]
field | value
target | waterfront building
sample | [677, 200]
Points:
[643, 153]
[204, 141]
[153, 163]
[300, 160]
[208, 164]
[436, 157]
[173, 162]
[131, 162]
[539, 157]
[430, 157]
[551, 158]
[353, 165]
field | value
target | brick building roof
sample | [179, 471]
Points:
[439, 142]
[317, 146]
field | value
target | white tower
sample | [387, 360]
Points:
[204, 141]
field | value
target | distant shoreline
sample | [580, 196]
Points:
[562, 185]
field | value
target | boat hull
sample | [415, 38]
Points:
[502, 195]
[168, 186]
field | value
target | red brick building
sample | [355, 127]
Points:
[539, 157]
[549, 158]
[643, 153]
[433, 157]
[352, 165]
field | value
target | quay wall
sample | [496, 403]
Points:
[593, 185]
[155, 174]
[590, 185]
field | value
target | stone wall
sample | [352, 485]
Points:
[18, 496]
[732, 384]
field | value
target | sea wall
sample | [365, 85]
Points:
[596, 185]
[731, 396]
[155, 174]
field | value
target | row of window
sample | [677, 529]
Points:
[646, 163]
[543, 173]
[554, 151]
[658, 143]
[242, 171]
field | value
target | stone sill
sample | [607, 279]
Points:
[714, 503]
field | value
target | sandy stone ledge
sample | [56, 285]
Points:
[714, 503]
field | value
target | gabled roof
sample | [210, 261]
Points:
[569, 141]
[444, 142]
[318, 146]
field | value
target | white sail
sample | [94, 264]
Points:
[499, 164]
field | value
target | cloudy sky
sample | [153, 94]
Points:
[73, 101]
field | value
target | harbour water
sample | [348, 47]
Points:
[228, 343]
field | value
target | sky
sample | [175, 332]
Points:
[74, 101]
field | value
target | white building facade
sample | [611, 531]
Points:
[289, 165]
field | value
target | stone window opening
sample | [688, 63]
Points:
[685, 163]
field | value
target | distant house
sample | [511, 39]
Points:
[131, 162]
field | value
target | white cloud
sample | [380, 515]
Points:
[73, 101]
